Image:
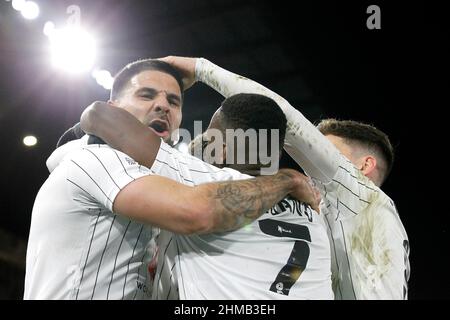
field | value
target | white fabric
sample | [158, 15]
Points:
[369, 244]
[77, 247]
[252, 264]
[258, 257]
[242, 264]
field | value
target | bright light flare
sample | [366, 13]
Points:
[103, 78]
[72, 49]
[49, 28]
[18, 4]
[29, 10]
[30, 141]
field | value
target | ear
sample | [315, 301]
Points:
[369, 165]
[113, 103]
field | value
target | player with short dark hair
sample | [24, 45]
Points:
[286, 251]
[95, 217]
[123, 77]
[285, 254]
[122, 81]
[364, 139]
[250, 113]
[370, 247]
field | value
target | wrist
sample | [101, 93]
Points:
[199, 69]
[292, 176]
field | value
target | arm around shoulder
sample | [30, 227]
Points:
[164, 203]
[122, 131]
[211, 207]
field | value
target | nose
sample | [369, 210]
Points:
[161, 103]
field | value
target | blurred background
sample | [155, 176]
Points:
[57, 57]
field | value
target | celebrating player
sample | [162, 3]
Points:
[348, 161]
[93, 219]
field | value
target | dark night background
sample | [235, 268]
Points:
[319, 55]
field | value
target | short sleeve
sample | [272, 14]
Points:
[99, 172]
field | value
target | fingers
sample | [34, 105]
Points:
[314, 195]
[316, 208]
[185, 65]
[168, 59]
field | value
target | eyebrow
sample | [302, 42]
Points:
[170, 96]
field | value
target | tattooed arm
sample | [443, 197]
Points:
[211, 207]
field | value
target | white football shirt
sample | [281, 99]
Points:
[370, 245]
[284, 254]
[370, 248]
[77, 247]
[298, 267]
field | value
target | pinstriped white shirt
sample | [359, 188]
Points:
[77, 247]
[107, 256]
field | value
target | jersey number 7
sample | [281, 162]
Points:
[298, 259]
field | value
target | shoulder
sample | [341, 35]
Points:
[99, 152]
[99, 160]
[62, 152]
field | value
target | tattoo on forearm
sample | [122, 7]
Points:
[239, 203]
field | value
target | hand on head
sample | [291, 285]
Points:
[186, 66]
[306, 191]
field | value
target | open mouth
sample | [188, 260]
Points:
[160, 127]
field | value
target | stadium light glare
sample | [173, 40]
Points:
[103, 78]
[72, 49]
[30, 10]
[18, 4]
[49, 28]
[30, 141]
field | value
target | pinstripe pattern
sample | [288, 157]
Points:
[129, 261]
[164, 261]
[115, 260]
[87, 255]
[92, 180]
[348, 262]
[349, 201]
[109, 175]
[91, 255]
[146, 252]
[101, 258]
